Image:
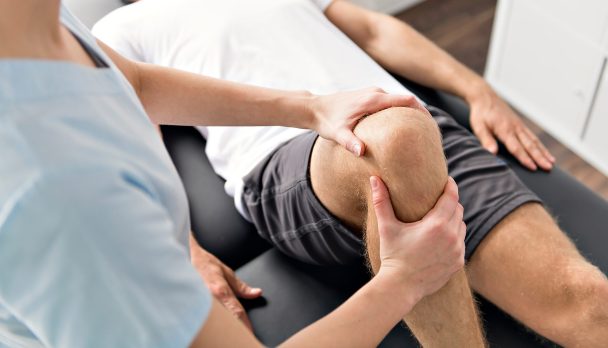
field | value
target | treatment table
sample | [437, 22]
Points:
[297, 294]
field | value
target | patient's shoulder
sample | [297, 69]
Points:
[121, 29]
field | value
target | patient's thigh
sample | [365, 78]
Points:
[337, 179]
[527, 266]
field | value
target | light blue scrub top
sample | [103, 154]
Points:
[93, 217]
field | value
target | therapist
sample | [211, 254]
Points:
[94, 220]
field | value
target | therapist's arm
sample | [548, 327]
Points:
[401, 49]
[181, 98]
[417, 259]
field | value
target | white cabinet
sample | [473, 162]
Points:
[547, 58]
[596, 135]
[587, 18]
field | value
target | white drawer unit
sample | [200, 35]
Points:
[595, 138]
[587, 18]
[548, 59]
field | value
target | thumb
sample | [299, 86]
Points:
[247, 292]
[382, 202]
[349, 140]
[487, 139]
[240, 288]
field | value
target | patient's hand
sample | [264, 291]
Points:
[491, 117]
[222, 282]
[336, 115]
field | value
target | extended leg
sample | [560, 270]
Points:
[530, 269]
[404, 148]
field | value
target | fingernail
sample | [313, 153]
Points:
[357, 149]
[254, 290]
[374, 182]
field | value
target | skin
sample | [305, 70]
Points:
[175, 97]
[418, 59]
[526, 265]
[406, 274]
[551, 288]
[223, 283]
[404, 148]
[563, 286]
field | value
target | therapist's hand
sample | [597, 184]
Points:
[422, 255]
[222, 282]
[336, 115]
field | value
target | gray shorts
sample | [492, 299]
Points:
[285, 210]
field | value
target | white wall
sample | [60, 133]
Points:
[90, 11]
[387, 6]
[549, 59]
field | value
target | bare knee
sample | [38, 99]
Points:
[404, 148]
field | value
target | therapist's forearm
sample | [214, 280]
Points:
[181, 98]
[363, 320]
[175, 97]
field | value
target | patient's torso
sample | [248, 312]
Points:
[285, 44]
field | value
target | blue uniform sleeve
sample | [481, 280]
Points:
[91, 260]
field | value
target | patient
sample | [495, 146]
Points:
[310, 197]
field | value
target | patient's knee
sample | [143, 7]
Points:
[404, 148]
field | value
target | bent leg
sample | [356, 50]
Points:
[404, 148]
[530, 269]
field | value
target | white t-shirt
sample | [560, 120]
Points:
[284, 44]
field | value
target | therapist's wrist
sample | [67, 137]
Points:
[405, 294]
[297, 110]
[310, 117]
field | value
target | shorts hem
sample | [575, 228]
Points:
[473, 241]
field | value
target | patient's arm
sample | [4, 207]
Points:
[222, 281]
[175, 97]
[401, 49]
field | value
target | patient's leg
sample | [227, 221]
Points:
[404, 148]
[530, 269]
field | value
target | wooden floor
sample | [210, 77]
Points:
[463, 28]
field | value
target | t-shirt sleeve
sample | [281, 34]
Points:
[116, 31]
[92, 261]
[322, 4]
